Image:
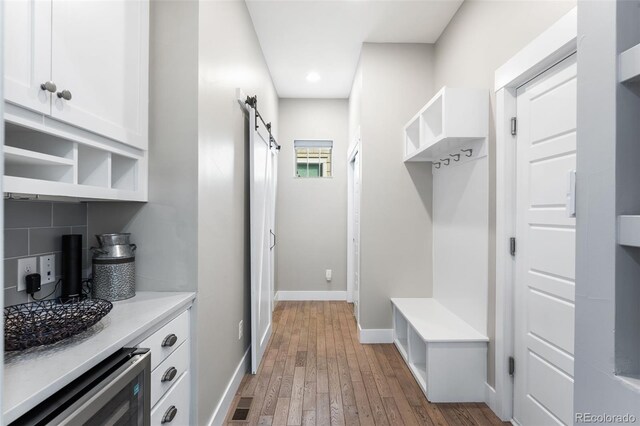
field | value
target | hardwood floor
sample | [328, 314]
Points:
[316, 372]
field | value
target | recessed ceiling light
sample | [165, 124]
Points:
[313, 77]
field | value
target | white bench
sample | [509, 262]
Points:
[446, 355]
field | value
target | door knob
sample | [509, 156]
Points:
[169, 375]
[49, 86]
[65, 94]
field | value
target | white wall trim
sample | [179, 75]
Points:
[375, 335]
[490, 397]
[224, 405]
[283, 295]
[555, 44]
[353, 150]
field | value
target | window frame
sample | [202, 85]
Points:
[312, 144]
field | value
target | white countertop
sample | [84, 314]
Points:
[33, 375]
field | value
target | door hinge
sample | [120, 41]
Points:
[512, 366]
[512, 246]
[514, 126]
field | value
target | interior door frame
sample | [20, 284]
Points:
[351, 154]
[552, 46]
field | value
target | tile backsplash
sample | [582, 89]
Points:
[33, 229]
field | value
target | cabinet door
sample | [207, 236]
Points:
[27, 53]
[100, 53]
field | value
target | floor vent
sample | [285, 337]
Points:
[241, 413]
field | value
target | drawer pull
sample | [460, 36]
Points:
[170, 340]
[169, 414]
[169, 375]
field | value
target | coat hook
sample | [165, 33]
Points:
[468, 151]
[456, 157]
[446, 161]
[437, 164]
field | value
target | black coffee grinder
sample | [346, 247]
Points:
[71, 267]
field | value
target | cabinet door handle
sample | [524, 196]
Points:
[169, 414]
[169, 375]
[49, 86]
[65, 94]
[170, 340]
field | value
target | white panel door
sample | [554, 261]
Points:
[356, 236]
[100, 55]
[27, 53]
[545, 257]
[260, 194]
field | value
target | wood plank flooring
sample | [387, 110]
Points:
[316, 372]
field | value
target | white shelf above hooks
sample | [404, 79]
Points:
[453, 120]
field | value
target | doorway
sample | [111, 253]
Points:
[545, 257]
[353, 237]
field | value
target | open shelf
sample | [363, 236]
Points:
[629, 230]
[448, 122]
[93, 167]
[400, 333]
[418, 357]
[123, 172]
[52, 165]
[629, 65]
[19, 156]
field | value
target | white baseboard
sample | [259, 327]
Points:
[375, 335]
[311, 295]
[222, 409]
[491, 398]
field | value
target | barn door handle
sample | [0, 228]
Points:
[274, 239]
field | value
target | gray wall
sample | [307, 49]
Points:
[192, 234]
[395, 230]
[34, 229]
[311, 217]
[481, 37]
[229, 57]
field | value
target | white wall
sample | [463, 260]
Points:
[481, 37]
[395, 232]
[311, 214]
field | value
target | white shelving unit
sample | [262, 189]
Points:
[454, 119]
[40, 163]
[446, 355]
[629, 65]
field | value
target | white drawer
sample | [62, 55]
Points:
[178, 398]
[178, 360]
[178, 327]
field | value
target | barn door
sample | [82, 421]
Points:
[261, 193]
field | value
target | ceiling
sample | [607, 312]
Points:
[303, 36]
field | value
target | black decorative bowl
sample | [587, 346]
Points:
[49, 321]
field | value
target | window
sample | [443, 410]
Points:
[313, 158]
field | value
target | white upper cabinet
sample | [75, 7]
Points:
[100, 57]
[95, 56]
[27, 53]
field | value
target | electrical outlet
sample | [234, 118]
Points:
[328, 274]
[240, 329]
[48, 268]
[26, 266]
